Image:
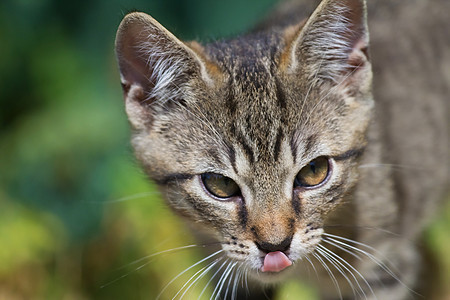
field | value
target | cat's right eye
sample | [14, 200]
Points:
[220, 186]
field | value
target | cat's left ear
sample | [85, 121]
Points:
[332, 45]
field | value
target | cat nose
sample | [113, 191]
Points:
[269, 247]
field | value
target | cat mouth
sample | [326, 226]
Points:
[275, 262]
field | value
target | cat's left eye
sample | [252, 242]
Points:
[220, 186]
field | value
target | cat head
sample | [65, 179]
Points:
[254, 139]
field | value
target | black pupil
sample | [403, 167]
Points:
[312, 166]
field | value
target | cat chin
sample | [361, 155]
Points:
[272, 278]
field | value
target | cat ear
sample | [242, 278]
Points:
[332, 45]
[154, 66]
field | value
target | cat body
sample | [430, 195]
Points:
[274, 144]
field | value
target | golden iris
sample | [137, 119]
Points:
[314, 173]
[220, 186]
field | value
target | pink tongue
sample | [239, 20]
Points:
[275, 262]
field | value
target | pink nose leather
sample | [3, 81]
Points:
[275, 262]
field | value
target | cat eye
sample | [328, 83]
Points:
[314, 173]
[220, 186]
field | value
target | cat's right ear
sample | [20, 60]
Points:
[155, 66]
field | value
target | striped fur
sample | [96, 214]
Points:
[257, 109]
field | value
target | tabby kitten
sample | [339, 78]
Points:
[269, 142]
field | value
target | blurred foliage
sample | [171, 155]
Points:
[78, 218]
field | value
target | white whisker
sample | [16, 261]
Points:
[146, 263]
[342, 248]
[185, 270]
[162, 252]
[191, 279]
[222, 280]
[354, 270]
[365, 228]
[218, 283]
[312, 265]
[391, 166]
[117, 279]
[338, 266]
[126, 198]
[203, 271]
[246, 282]
[332, 277]
[212, 277]
[372, 257]
[333, 237]
[236, 282]
[230, 278]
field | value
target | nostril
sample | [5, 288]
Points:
[269, 247]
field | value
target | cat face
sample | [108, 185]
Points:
[256, 139]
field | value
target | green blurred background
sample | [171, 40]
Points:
[76, 211]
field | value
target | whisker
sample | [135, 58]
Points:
[314, 267]
[126, 198]
[342, 248]
[222, 280]
[236, 281]
[203, 271]
[333, 278]
[216, 288]
[334, 237]
[185, 270]
[146, 263]
[246, 282]
[354, 270]
[372, 257]
[168, 251]
[392, 166]
[189, 280]
[233, 273]
[212, 277]
[364, 227]
[117, 279]
[338, 265]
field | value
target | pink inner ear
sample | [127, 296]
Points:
[275, 262]
[359, 55]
